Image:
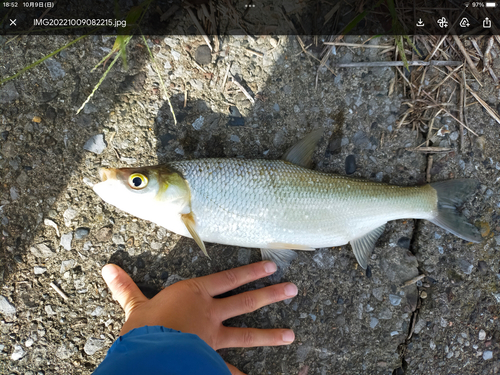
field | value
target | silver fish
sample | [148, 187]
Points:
[279, 205]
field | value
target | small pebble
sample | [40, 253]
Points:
[373, 322]
[203, 55]
[18, 353]
[95, 144]
[404, 242]
[81, 233]
[198, 123]
[350, 164]
[488, 354]
[482, 335]
[6, 307]
[39, 270]
[93, 345]
[67, 265]
[465, 266]
[423, 295]
[394, 299]
[66, 239]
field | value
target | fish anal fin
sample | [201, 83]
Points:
[282, 245]
[190, 224]
[364, 245]
[282, 258]
[301, 153]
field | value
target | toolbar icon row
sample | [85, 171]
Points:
[464, 22]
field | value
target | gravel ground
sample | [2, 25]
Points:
[56, 230]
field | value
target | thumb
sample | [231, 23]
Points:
[123, 288]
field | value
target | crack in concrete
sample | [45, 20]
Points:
[403, 347]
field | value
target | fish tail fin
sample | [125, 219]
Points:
[451, 194]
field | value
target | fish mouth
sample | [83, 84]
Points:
[107, 174]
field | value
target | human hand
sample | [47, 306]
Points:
[188, 306]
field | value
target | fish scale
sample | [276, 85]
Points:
[255, 203]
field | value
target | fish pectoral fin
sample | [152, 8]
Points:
[301, 153]
[189, 222]
[364, 245]
[282, 257]
[282, 245]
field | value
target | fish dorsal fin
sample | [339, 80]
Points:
[189, 222]
[301, 153]
[363, 246]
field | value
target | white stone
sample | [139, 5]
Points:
[488, 354]
[66, 239]
[6, 308]
[18, 353]
[39, 270]
[482, 335]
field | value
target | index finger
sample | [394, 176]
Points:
[225, 281]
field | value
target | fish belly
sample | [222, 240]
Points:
[273, 203]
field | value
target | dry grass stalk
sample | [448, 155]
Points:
[430, 150]
[377, 64]
[242, 89]
[472, 66]
[59, 291]
[200, 29]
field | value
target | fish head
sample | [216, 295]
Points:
[150, 193]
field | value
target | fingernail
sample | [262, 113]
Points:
[291, 290]
[270, 267]
[288, 336]
[109, 272]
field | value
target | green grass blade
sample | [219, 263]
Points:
[41, 60]
[98, 83]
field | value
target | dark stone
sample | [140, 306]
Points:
[47, 96]
[203, 55]
[4, 135]
[404, 242]
[483, 267]
[140, 263]
[361, 140]
[164, 275]
[335, 146]
[368, 272]
[81, 233]
[50, 114]
[164, 139]
[133, 83]
[350, 164]
[236, 121]
[235, 118]
[340, 301]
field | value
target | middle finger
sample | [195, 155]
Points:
[255, 299]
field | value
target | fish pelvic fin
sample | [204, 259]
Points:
[364, 245]
[451, 194]
[188, 220]
[301, 153]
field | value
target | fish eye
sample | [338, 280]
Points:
[137, 181]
